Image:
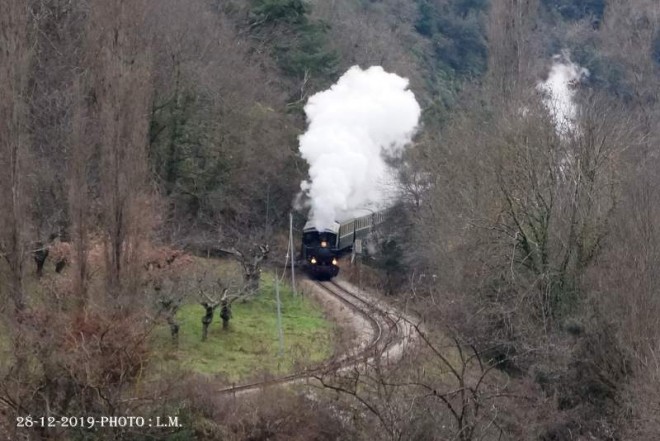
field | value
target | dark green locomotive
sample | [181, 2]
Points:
[321, 250]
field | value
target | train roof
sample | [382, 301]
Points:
[342, 218]
[309, 226]
[354, 214]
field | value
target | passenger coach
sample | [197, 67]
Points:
[321, 250]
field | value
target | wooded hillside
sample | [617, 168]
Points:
[128, 128]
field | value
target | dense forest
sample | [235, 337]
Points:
[135, 134]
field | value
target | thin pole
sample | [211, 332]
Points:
[267, 204]
[279, 317]
[293, 259]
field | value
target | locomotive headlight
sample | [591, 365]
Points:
[324, 244]
[334, 262]
[313, 261]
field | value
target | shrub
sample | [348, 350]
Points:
[655, 51]
[458, 34]
[577, 10]
[287, 11]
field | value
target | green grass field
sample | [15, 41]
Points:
[250, 348]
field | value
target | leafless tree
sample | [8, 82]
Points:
[14, 139]
[512, 54]
[455, 392]
[122, 91]
[209, 304]
[169, 303]
[224, 295]
[251, 257]
[79, 193]
[235, 125]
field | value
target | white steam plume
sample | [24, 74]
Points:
[559, 91]
[366, 115]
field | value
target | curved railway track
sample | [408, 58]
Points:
[388, 327]
[386, 332]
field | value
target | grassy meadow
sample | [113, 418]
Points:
[249, 349]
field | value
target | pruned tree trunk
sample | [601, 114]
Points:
[40, 255]
[251, 261]
[252, 279]
[208, 318]
[225, 311]
[59, 266]
[171, 306]
[174, 328]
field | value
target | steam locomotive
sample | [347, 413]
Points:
[321, 250]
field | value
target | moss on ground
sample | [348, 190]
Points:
[250, 348]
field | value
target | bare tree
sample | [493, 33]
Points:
[225, 296]
[209, 305]
[169, 303]
[79, 193]
[14, 138]
[455, 392]
[235, 126]
[251, 257]
[511, 52]
[123, 92]
[558, 195]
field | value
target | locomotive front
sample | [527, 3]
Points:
[319, 251]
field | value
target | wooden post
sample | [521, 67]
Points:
[293, 253]
[279, 317]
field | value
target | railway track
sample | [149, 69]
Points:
[387, 331]
[388, 326]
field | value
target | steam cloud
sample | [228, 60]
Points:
[559, 90]
[367, 115]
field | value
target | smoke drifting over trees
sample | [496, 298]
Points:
[559, 90]
[367, 116]
[527, 240]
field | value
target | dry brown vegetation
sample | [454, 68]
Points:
[543, 243]
[129, 130]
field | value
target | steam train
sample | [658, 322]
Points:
[321, 250]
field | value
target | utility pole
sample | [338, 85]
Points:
[293, 258]
[279, 317]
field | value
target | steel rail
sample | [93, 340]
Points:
[337, 362]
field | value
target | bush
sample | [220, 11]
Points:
[458, 35]
[300, 44]
[461, 45]
[287, 11]
[577, 9]
[308, 53]
[604, 72]
[655, 50]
